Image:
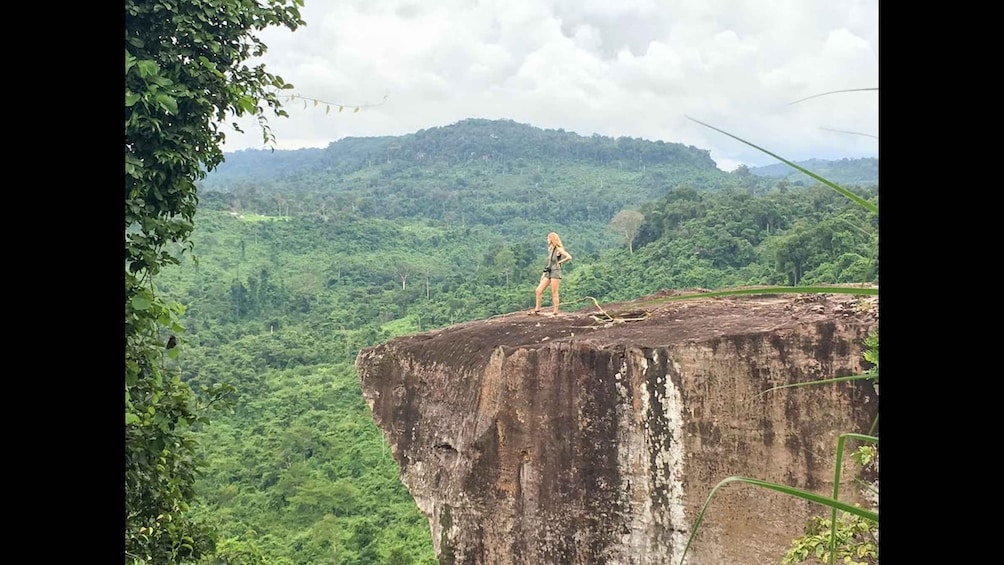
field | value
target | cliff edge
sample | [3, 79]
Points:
[596, 436]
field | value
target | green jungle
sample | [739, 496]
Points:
[301, 258]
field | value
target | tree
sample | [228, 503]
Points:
[626, 223]
[505, 261]
[185, 74]
[403, 268]
[792, 252]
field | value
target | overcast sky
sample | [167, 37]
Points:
[631, 68]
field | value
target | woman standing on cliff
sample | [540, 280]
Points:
[556, 255]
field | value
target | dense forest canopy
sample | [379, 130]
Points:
[476, 172]
[844, 171]
[301, 258]
[507, 145]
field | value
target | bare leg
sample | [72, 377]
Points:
[540, 291]
[554, 293]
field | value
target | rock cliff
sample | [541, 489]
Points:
[596, 436]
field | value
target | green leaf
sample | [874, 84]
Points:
[140, 303]
[132, 377]
[147, 68]
[167, 102]
[131, 419]
[246, 104]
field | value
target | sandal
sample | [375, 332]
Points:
[535, 312]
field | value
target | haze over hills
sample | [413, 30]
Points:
[506, 147]
[845, 171]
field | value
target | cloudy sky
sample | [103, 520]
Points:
[633, 68]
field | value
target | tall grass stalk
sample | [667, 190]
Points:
[836, 487]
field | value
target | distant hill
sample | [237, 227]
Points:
[506, 143]
[489, 172]
[502, 142]
[845, 171]
[476, 171]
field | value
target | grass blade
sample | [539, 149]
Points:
[836, 486]
[825, 381]
[864, 203]
[850, 132]
[831, 92]
[805, 495]
[867, 291]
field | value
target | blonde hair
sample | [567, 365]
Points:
[554, 240]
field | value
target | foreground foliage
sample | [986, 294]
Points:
[854, 542]
[184, 74]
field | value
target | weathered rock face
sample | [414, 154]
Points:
[596, 437]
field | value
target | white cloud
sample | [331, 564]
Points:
[634, 68]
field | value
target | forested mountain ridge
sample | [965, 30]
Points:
[509, 145]
[473, 172]
[843, 171]
[517, 178]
